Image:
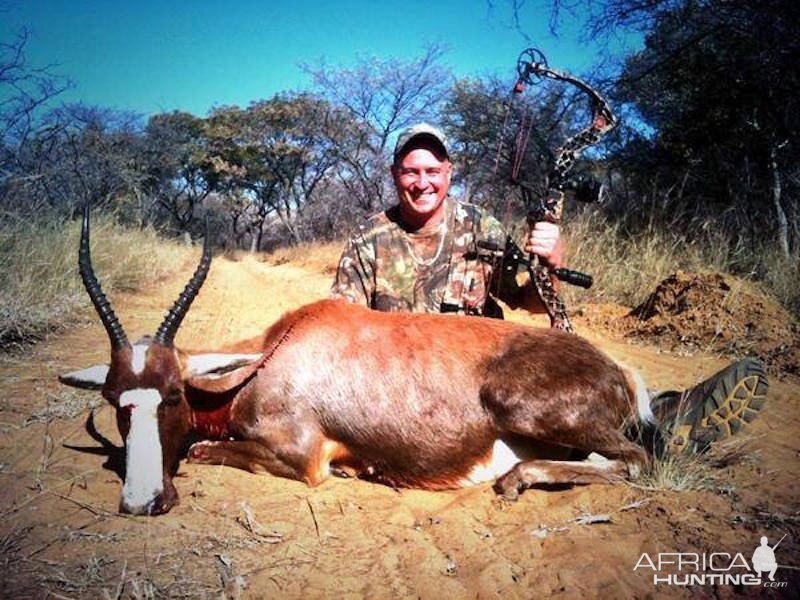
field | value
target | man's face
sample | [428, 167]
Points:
[422, 179]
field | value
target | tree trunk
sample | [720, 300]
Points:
[258, 238]
[780, 214]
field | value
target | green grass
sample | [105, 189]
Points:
[40, 289]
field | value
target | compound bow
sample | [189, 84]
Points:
[531, 67]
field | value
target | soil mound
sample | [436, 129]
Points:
[718, 313]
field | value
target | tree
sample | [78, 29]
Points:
[494, 137]
[717, 82]
[382, 97]
[80, 154]
[277, 152]
[25, 91]
[180, 173]
[473, 118]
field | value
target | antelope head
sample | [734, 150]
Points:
[145, 383]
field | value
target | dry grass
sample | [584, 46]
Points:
[323, 258]
[678, 473]
[626, 268]
[698, 471]
[99, 577]
[64, 405]
[11, 545]
[781, 276]
[40, 288]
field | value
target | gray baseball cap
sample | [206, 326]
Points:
[420, 130]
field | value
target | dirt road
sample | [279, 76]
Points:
[260, 536]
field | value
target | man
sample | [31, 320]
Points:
[432, 253]
[764, 558]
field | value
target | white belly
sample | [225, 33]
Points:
[502, 460]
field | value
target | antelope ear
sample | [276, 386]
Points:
[92, 378]
[216, 365]
[217, 373]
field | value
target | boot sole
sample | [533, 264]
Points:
[735, 400]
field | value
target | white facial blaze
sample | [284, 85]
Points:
[139, 357]
[144, 471]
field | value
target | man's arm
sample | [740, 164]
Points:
[355, 275]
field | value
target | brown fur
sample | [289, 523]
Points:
[420, 399]
[406, 399]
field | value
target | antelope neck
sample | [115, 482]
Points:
[212, 420]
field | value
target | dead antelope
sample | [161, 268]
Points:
[427, 401]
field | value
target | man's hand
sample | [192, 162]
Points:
[544, 240]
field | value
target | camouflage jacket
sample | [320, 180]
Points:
[457, 267]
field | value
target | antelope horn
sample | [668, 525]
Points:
[172, 321]
[116, 334]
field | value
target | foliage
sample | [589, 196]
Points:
[382, 97]
[717, 82]
[24, 90]
[79, 154]
[277, 153]
[490, 132]
[702, 169]
[179, 172]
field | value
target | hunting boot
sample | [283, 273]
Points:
[712, 410]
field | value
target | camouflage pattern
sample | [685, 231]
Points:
[552, 207]
[444, 269]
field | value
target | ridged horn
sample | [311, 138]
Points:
[116, 334]
[172, 321]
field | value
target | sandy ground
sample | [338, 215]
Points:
[238, 534]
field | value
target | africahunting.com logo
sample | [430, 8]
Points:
[716, 568]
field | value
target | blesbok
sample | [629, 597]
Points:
[429, 401]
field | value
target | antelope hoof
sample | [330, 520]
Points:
[509, 486]
[199, 452]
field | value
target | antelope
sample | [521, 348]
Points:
[426, 401]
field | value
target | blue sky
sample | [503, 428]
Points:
[153, 57]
